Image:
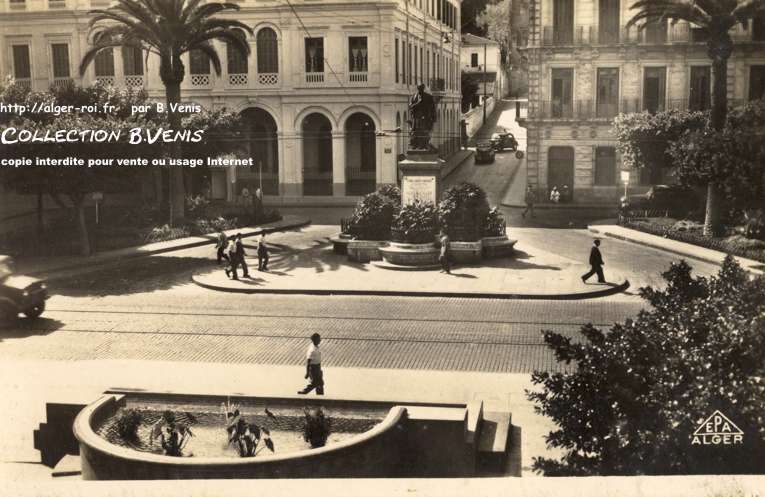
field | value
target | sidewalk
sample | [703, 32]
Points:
[47, 265]
[309, 266]
[673, 246]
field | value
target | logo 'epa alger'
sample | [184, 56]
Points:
[717, 429]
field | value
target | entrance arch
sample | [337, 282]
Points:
[560, 168]
[264, 149]
[360, 154]
[317, 155]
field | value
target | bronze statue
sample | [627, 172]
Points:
[422, 109]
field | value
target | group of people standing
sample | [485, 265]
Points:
[232, 251]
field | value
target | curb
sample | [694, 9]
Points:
[90, 263]
[670, 250]
[611, 290]
[458, 165]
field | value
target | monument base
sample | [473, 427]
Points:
[420, 176]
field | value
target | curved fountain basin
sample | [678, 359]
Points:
[366, 454]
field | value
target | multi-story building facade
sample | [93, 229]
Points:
[326, 87]
[586, 67]
[480, 59]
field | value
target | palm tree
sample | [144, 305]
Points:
[717, 17]
[168, 29]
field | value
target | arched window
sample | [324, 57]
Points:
[268, 51]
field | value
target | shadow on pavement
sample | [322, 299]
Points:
[25, 328]
[517, 261]
[319, 257]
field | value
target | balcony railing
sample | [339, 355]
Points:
[56, 4]
[237, 79]
[201, 80]
[358, 77]
[106, 80]
[313, 78]
[23, 82]
[61, 82]
[134, 81]
[17, 5]
[268, 79]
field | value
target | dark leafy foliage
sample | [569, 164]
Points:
[374, 214]
[640, 390]
[128, 423]
[463, 210]
[494, 224]
[415, 223]
[317, 427]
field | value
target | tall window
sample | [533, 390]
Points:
[473, 60]
[563, 22]
[655, 32]
[22, 68]
[396, 70]
[314, 55]
[756, 82]
[605, 166]
[562, 94]
[357, 54]
[199, 62]
[415, 66]
[236, 60]
[423, 77]
[608, 21]
[268, 51]
[758, 28]
[699, 95]
[608, 92]
[132, 61]
[60, 56]
[654, 82]
[427, 65]
[408, 63]
[104, 63]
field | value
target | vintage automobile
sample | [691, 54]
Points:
[19, 294]
[670, 200]
[502, 140]
[484, 152]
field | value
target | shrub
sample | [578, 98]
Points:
[317, 428]
[374, 214]
[415, 223]
[166, 232]
[463, 210]
[494, 223]
[639, 391]
[128, 423]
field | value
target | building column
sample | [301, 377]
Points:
[338, 164]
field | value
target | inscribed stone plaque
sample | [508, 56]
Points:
[422, 188]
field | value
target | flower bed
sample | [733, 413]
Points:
[736, 245]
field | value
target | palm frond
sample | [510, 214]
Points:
[212, 55]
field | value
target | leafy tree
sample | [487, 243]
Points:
[469, 90]
[717, 17]
[636, 394]
[733, 158]
[168, 29]
[644, 138]
[496, 19]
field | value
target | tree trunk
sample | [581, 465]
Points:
[82, 227]
[177, 186]
[720, 55]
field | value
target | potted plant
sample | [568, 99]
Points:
[317, 428]
[374, 214]
[462, 212]
[415, 223]
[495, 242]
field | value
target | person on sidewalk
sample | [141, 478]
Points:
[443, 256]
[232, 259]
[554, 195]
[221, 245]
[313, 372]
[240, 256]
[565, 194]
[262, 253]
[529, 198]
[596, 264]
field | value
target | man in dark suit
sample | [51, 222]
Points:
[240, 256]
[596, 264]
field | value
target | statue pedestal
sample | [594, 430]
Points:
[420, 175]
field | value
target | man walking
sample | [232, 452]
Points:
[232, 259]
[262, 253]
[443, 256]
[313, 371]
[530, 198]
[221, 245]
[240, 256]
[596, 264]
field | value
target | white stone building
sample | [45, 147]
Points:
[326, 86]
[586, 67]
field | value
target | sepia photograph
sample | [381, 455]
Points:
[382, 247]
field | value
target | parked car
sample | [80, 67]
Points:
[504, 140]
[484, 152]
[672, 200]
[19, 294]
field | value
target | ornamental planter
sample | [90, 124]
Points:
[463, 233]
[497, 246]
[421, 236]
[465, 252]
[340, 243]
[410, 254]
[365, 250]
